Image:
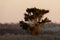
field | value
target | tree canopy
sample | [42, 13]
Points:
[37, 14]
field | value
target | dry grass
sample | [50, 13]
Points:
[49, 32]
[30, 37]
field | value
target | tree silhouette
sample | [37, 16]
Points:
[37, 13]
[34, 15]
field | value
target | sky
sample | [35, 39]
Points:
[12, 11]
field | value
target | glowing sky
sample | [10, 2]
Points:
[13, 10]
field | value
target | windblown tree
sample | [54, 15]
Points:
[34, 15]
